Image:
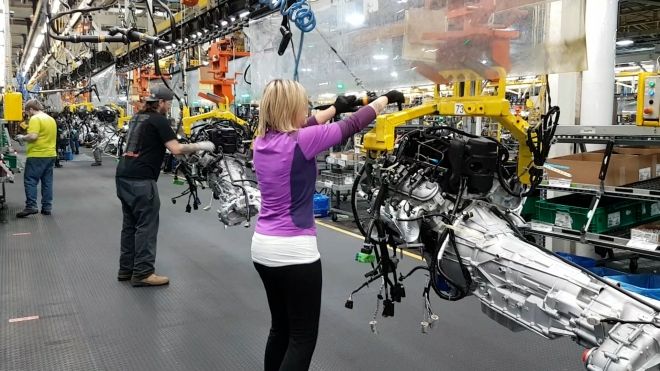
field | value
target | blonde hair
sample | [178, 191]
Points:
[280, 107]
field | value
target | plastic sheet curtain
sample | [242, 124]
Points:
[191, 87]
[396, 43]
[242, 89]
[107, 85]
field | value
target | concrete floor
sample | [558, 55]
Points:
[214, 314]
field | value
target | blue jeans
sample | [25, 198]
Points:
[74, 143]
[39, 169]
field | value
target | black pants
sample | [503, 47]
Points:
[294, 298]
[140, 204]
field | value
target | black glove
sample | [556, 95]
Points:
[345, 104]
[395, 96]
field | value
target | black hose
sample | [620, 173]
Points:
[354, 209]
[157, 64]
[449, 237]
[172, 38]
[245, 75]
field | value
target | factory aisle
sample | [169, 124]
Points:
[213, 315]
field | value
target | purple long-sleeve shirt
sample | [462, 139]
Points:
[285, 164]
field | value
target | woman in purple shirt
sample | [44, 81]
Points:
[284, 248]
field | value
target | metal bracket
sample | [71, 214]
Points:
[605, 164]
[592, 210]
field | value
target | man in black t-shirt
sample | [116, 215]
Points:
[148, 136]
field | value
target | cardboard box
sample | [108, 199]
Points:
[348, 156]
[623, 168]
[655, 169]
[646, 233]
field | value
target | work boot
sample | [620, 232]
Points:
[152, 280]
[96, 164]
[26, 212]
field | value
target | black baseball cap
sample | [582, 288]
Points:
[160, 92]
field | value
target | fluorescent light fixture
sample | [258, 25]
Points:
[323, 83]
[232, 18]
[626, 42]
[394, 74]
[380, 57]
[224, 23]
[374, 68]
[484, 61]
[199, 33]
[244, 14]
[355, 19]
[430, 50]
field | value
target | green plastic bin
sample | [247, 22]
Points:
[571, 212]
[529, 209]
[649, 211]
[11, 161]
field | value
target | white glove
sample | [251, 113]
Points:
[205, 146]
[20, 138]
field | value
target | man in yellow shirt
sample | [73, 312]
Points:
[41, 138]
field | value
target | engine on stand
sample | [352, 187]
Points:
[453, 197]
[225, 171]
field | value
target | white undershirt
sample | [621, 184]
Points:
[277, 251]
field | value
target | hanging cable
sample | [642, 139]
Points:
[155, 50]
[357, 80]
[301, 14]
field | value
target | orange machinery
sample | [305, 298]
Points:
[471, 42]
[141, 78]
[220, 53]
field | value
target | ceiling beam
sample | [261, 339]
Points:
[645, 2]
[637, 57]
[650, 32]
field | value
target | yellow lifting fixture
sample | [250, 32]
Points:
[217, 113]
[467, 100]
